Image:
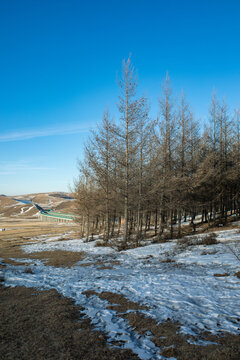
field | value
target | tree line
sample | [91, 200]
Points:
[140, 174]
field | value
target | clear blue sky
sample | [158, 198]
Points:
[58, 66]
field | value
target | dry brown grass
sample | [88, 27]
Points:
[219, 224]
[168, 260]
[26, 229]
[175, 344]
[11, 251]
[12, 208]
[20, 233]
[208, 239]
[46, 326]
[167, 335]
[221, 275]
[26, 232]
[121, 304]
[67, 206]
[237, 274]
[58, 258]
[37, 325]
[213, 252]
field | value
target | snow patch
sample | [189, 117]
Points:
[184, 290]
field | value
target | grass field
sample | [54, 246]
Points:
[25, 229]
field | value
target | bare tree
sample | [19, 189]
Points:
[99, 156]
[128, 108]
[167, 126]
[151, 174]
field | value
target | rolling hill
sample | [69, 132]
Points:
[22, 206]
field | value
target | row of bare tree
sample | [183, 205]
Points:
[140, 174]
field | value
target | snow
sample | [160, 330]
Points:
[184, 290]
[230, 235]
[30, 208]
[25, 210]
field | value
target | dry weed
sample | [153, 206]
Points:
[37, 325]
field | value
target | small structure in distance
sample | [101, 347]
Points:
[51, 216]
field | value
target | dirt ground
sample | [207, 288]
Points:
[20, 232]
[167, 335]
[10, 207]
[44, 325]
[174, 344]
[27, 229]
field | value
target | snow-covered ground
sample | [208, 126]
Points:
[183, 290]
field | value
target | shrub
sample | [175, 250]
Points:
[188, 241]
[159, 240]
[221, 275]
[122, 246]
[101, 243]
[209, 239]
[209, 252]
[237, 274]
[168, 260]
[28, 270]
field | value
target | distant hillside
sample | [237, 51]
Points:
[22, 205]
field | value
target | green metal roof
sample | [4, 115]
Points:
[58, 215]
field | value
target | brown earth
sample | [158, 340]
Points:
[58, 258]
[237, 274]
[175, 344]
[67, 206]
[45, 325]
[26, 229]
[13, 208]
[22, 232]
[19, 233]
[121, 304]
[167, 335]
[37, 325]
[221, 275]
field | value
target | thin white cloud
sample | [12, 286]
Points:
[26, 166]
[51, 131]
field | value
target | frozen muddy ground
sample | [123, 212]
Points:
[183, 290]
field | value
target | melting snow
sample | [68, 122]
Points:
[184, 290]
